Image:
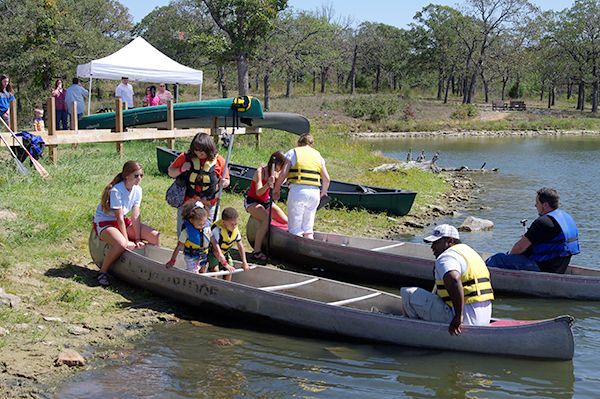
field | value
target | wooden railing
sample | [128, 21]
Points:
[119, 135]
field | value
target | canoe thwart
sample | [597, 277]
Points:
[357, 299]
[225, 272]
[288, 286]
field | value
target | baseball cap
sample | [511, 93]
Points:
[443, 230]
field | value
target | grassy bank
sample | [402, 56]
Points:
[44, 225]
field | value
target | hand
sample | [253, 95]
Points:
[455, 324]
[245, 266]
[276, 194]
[271, 181]
[185, 167]
[170, 263]
[140, 244]
[131, 245]
[229, 268]
[323, 193]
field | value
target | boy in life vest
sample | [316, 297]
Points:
[194, 238]
[38, 120]
[224, 235]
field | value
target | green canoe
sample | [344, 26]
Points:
[377, 199]
[188, 115]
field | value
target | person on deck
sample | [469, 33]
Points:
[6, 96]
[549, 242]
[76, 93]
[462, 292]
[305, 172]
[204, 174]
[123, 195]
[163, 94]
[124, 91]
[257, 200]
[59, 94]
[151, 98]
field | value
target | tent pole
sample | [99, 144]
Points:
[200, 92]
[90, 97]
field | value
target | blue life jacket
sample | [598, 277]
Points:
[194, 246]
[34, 144]
[564, 244]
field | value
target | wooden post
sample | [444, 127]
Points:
[119, 128]
[214, 130]
[12, 114]
[52, 149]
[74, 121]
[258, 132]
[170, 123]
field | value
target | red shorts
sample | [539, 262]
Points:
[102, 225]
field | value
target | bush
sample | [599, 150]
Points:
[375, 108]
[409, 113]
[513, 93]
[465, 111]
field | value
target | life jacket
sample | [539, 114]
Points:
[475, 280]
[226, 238]
[564, 244]
[35, 145]
[194, 246]
[202, 180]
[308, 167]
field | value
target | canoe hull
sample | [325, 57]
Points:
[396, 262]
[552, 339]
[352, 196]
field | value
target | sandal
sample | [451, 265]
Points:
[259, 256]
[103, 279]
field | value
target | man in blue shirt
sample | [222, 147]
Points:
[76, 92]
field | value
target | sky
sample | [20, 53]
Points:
[397, 13]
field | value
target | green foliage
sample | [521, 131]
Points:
[465, 111]
[516, 91]
[374, 108]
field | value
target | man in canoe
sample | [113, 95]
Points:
[462, 292]
[549, 242]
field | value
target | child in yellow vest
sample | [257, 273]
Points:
[38, 121]
[224, 235]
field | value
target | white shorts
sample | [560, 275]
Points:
[302, 202]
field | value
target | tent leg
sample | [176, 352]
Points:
[199, 92]
[90, 97]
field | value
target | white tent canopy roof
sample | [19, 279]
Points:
[140, 61]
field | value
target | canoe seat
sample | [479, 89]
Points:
[363, 189]
[288, 286]
[352, 300]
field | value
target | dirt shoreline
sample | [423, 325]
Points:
[474, 133]
[27, 360]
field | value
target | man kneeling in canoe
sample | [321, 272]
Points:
[462, 291]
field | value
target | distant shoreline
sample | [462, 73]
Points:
[475, 133]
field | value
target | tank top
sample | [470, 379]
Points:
[252, 191]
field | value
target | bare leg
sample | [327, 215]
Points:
[117, 245]
[279, 214]
[259, 213]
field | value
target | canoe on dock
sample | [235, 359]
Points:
[377, 199]
[395, 261]
[332, 307]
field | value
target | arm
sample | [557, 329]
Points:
[122, 228]
[455, 290]
[176, 251]
[282, 176]
[242, 251]
[325, 180]
[520, 246]
[260, 188]
[175, 169]
[137, 226]
[217, 251]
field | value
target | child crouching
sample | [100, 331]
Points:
[194, 238]
[224, 234]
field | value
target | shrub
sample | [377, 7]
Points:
[375, 108]
[465, 111]
[408, 113]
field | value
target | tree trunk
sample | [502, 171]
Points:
[553, 95]
[324, 72]
[504, 82]
[395, 82]
[581, 95]
[595, 96]
[542, 92]
[351, 81]
[448, 88]
[256, 82]
[221, 79]
[288, 87]
[440, 86]
[242, 69]
[267, 88]
[486, 89]
[550, 90]
[377, 78]
[453, 86]
[314, 81]
[569, 89]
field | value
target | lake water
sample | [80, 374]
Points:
[185, 361]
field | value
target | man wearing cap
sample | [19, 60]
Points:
[124, 91]
[462, 292]
[549, 242]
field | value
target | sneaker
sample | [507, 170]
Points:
[103, 279]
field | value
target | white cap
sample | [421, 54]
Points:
[443, 230]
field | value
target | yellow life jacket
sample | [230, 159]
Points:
[476, 280]
[202, 179]
[308, 167]
[226, 238]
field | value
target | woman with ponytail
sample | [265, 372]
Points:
[122, 196]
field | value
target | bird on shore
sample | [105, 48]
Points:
[436, 156]
[409, 155]
[421, 156]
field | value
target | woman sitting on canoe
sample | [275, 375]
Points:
[122, 196]
[306, 174]
[204, 173]
[258, 200]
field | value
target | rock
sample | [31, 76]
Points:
[7, 215]
[21, 327]
[476, 224]
[49, 318]
[3, 332]
[9, 300]
[78, 330]
[412, 223]
[70, 358]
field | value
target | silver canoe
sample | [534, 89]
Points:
[332, 307]
[403, 261]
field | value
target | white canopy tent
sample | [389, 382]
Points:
[139, 61]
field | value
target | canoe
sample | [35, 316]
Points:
[332, 307]
[377, 199]
[193, 114]
[392, 262]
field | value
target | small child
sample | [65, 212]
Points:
[38, 121]
[224, 234]
[194, 238]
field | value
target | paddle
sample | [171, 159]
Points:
[326, 199]
[20, 167]
[270, 210]
[229, 146]
[38, 166]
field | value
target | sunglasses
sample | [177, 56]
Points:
[136, 175]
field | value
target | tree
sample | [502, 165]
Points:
[246, 23]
